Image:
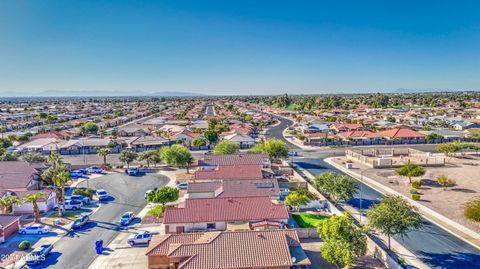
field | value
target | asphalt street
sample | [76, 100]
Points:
[432, 244]
[127, 194]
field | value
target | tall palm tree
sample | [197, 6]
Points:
[34, 198]
[59, 181]
[7, 203]
[55, 159]
[103, 152]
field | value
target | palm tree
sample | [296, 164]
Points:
[34, 198]
[7, 203]
[59, 182]
[55, 160]
[103, 152]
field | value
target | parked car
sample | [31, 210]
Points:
[80, 222]
[143, 237]
[70, 205]
[293, 153]
[95, 170]
[78, 174]
[126, 218]
[102, 195]
[182, 186]
[133, 171]
[38, 255]
[35, 229]
[81, 198]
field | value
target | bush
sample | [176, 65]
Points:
[413, 191]
[84, 192]
[24, 245]
[158, 211]
[415, 196]
[472, 209]
[445, 182]
[416, 184]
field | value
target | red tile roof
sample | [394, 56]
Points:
[237, 188]
[232, 250]
[399, 133]
[228, 172]
[347, 126]
[233, 159]
[186, 132]
[357, 134]
[226, 209]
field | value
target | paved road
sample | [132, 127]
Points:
[210, 112]
[431, 244]
[128, 195]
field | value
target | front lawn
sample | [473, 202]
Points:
[305, 220]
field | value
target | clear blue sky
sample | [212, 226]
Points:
[238, 47]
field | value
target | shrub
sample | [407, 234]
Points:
[413, 191]
[84, 192]
[415, 196]
[158, 211]
[24, 245]
[416, 184]
[472, 209]
[445, 182]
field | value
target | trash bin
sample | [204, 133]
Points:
[99, 246]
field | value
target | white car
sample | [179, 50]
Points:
[95, 170]
[35, 229]
[102, 195]
[146, 193]
[71, 205]
[143, 237]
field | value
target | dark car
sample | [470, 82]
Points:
[80, 222]
[38, 255]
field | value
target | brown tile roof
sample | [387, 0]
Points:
[6, 220]
[230, 172]
[232, 250]
[226, 209]
[18, 174]
[400, 133]
[357, 134]
[237, 188]
[233, 159]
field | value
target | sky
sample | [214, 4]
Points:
[232, 47]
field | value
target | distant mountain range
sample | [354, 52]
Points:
[57, 93]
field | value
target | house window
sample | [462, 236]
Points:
[211, 226]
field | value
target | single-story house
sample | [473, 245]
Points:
[215, 160]
[279, 249]
[9, 225]
[19, 175]
[44, 204]
[148, 142]
[346, 127]
[213, 214]
[229, 172]
[234, 188]
[244, 141]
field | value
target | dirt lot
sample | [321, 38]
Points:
[465, 170]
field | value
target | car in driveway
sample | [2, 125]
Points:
[102, 195]
[142, 237]
[77, 197]
[70, 205]
[134, 171]
[38, 255]
[95, 170]
[80, 222]
[79, 174]
[35, 229]
[126, 218]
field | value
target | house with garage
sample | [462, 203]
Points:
[9, 225]
[234, 188]
[279, 249]
[220, 214]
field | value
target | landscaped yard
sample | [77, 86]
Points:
[306, 220]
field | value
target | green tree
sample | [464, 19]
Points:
[337, 187]
[410, 170]
[448, 148]
[393, 215]
[275, 148]
[9, 201]
[177, 156]
[211, 136]
[5, 143]
[89, 127]
[104, 152]
[343, 241]
[147, 156]
[59, 181]
[226, 147]
[198, 142]
[433, 136]
[296, 199]
[163, 195]
[34, 198]
[34, 158]
[127, 157]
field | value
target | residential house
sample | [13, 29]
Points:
[346, 127]
[148, 142]
[400, 133]
[314, 128]
[357, 135]
[229, 172]
[279, 249]
[216, 214]
[19, 175]
[215, 160]
[185, 136]
[41, 145]
[244, 141]
[234, 188]
[133, 131]
[9, 225]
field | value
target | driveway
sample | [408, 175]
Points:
[78, 251]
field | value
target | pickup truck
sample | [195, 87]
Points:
[38, 255]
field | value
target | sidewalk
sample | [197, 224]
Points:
[455, 228]
[400, 250]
